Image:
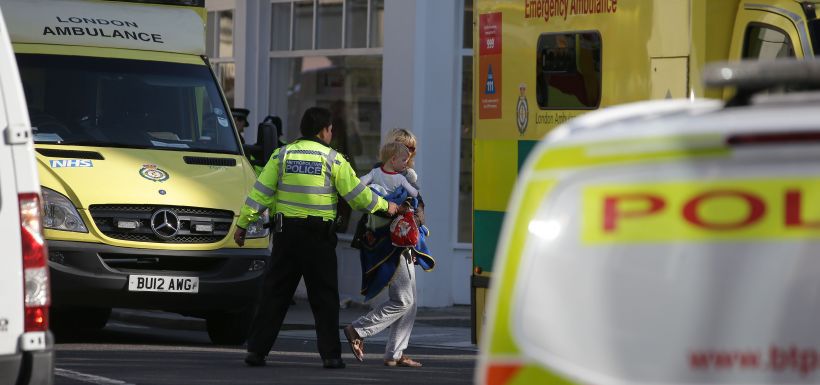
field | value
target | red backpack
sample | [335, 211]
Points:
[403, 230]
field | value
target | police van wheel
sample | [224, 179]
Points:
[229, 328]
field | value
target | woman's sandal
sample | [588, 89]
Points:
[356, 342]
[404, 361]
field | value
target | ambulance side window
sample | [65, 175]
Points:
[814, 32]
[568, 70]
[765, 42]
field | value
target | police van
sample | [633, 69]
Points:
[26, 344]
[667, 242]
[142, 170]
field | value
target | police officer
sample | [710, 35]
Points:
[240, 118]
[300, 184]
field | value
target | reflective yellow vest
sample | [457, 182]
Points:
[301, 179]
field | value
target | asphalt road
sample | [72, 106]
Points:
[123, 354]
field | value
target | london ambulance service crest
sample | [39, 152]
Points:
[522, 110]
[153, 173]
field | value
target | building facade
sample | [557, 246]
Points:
[377, 65]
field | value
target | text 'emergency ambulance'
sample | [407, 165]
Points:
[547, 9]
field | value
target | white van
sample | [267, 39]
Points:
[26, 345]
[667, 242]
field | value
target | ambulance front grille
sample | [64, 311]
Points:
[131, 263]
[111, 220]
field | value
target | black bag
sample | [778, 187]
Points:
[358, 235]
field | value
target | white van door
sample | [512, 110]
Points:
[15, 157]
[11, 261]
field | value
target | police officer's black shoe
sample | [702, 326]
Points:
[254, 359]
[333, 363]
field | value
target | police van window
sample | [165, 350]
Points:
[87, 101]
[766, 42]
[568, 70]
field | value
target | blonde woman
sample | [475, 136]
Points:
[387, 266]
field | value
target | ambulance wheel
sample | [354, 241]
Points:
[81, 319]
[229, 328]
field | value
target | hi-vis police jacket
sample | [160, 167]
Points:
[301, 179]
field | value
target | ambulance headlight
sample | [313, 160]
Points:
[60, 213]
[258, 229]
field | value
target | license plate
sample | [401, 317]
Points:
[165, 284]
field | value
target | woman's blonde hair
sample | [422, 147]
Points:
[391, 149]
[405, 137]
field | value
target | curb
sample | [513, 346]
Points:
[174, 321]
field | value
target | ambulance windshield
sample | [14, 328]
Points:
[91, 101]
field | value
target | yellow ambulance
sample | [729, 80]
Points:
[539, 63]
[141, 167]
[667, 242]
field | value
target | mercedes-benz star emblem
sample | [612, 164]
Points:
[165, 223]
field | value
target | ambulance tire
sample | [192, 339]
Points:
[78, 320]
[229, 328]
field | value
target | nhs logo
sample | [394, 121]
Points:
[58, 163]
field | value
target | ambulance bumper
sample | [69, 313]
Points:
[96, 275]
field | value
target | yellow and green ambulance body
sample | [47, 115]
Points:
[540, 63]
[141, 168]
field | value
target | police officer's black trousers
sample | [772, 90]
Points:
[306, 249]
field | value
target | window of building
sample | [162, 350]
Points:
[467, 24]
[356, 23]
[302, 25]
[225, 26]
[465, 185]
[328, 53]
[326, 24]
[766, 42]
[376, 25]
[219, 48]
[280, 26]
[329, 24]
[350, 86]
[568, 70]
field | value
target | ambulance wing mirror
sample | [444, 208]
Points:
[254, 154]
[267, 138]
